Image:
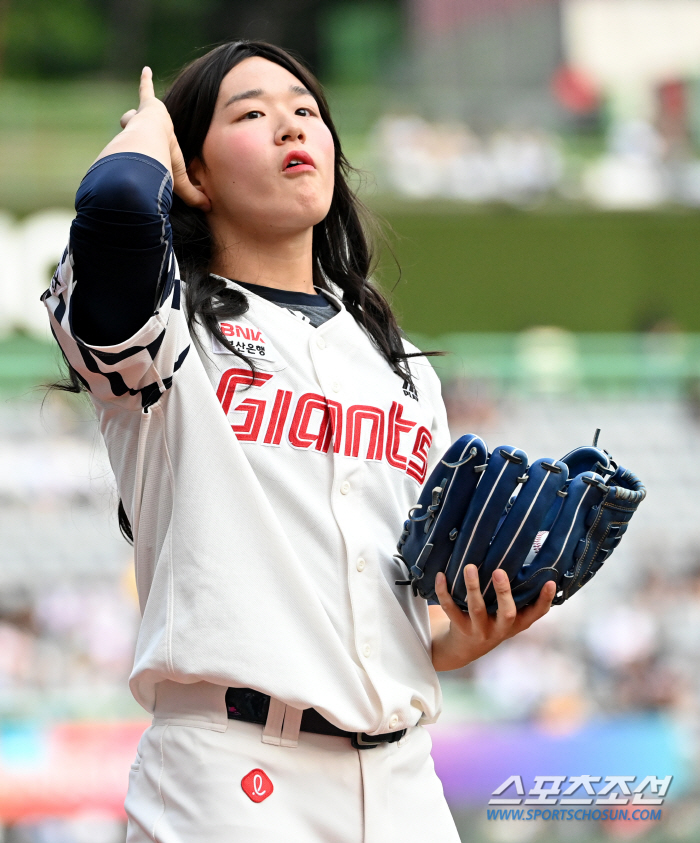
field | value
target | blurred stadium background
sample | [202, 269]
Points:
[537, 163]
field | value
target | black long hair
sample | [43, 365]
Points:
[343, 251]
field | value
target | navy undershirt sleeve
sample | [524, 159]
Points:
[121, 243]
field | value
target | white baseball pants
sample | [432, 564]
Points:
[201, 778]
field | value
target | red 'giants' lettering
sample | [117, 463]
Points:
[280, 409]
[232, 378]
[353, 431]
[335, 413]
[301, 433]
[250, 429]
[317, 421]
[418, 468]
[310, 404]
[397, 426]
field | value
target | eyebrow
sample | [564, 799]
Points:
[254, 93]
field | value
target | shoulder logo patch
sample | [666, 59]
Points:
[245, 339]
[257, 785]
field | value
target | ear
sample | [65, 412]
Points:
[196, 172]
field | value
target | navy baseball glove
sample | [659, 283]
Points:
[553, 520]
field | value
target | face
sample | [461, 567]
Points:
[268, 158]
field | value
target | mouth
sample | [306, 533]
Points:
[298, 162]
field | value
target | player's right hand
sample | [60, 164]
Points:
[154, 109]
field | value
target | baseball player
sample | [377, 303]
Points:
[268, 429]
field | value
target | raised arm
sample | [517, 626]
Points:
[114, 302]
[120, 239]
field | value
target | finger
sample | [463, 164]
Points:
[527, 616]
[146, 90]
[451, 609]
[124, 119]
[544, 602]
[541, 606]
[506, 611]
[549, 589]
[475, 599]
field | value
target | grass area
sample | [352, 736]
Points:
[50, 133]
[25, 364]
[508, 270]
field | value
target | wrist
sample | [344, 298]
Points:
[452, 649]
[152, 120]
[145, 135]
[444, 647]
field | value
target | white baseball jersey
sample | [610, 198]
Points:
[266, 506]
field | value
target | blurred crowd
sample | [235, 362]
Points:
[84, 829]
[633, 650]
[423, 160]
[637, 168]
[68, 608]
[71, 636]
[628, 643]
[641, 168]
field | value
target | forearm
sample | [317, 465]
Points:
[147, 129]
[439, 628]
[119, 243]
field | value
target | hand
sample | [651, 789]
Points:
[151, 110]
[460, 638]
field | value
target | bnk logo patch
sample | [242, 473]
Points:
[256, 785]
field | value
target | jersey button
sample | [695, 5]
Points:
[336, 386]
[367, 650]
[320, 342]
[344, 487]
[393, 721]
[361, 564]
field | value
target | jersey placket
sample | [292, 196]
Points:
[326, 350]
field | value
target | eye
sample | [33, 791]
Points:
[307, 112]
[252, 115]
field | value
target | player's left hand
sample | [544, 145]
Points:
[460, 638]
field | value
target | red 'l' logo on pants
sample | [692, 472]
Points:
[256, 785]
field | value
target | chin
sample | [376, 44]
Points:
[293, 213]
[305, 212]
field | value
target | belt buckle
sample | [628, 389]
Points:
[361, 740]
[358, 741]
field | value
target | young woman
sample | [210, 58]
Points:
[269, 429]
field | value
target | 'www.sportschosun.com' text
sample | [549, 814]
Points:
[572, 814]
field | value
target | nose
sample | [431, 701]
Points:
[290, 132]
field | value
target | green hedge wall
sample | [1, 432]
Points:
[509, 270]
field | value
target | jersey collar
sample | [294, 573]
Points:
[235, 286]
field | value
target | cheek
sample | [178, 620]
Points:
[324, 143]
[327, 145]
[238, 157]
